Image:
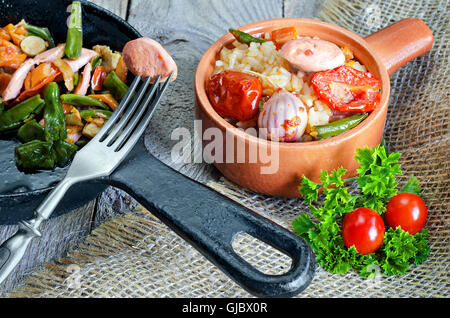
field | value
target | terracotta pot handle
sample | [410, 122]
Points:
[401, 42]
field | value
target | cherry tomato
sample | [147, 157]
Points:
[346, 89]
[363, 228]
[408, 211]
[235, 95]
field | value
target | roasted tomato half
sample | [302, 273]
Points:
[347, 90]
[235, 95]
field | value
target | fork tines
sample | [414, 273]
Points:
[129, 120]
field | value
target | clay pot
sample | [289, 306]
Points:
[382, 53]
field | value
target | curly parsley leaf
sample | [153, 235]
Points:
[423, 249]
[400, 249]
[309, 190]
[302, 224]
[412, 186]
[377, 176]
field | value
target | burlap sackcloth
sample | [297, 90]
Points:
[138, 256]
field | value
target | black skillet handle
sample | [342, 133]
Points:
[210, 221]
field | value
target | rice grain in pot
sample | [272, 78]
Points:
[265, 61]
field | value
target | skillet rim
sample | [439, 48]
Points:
[118, 20]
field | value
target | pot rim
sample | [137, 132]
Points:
[254, 27]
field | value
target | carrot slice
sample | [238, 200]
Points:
[283, 35]
[4, 34]
[41, 72]
[6, 43]
[36, 89]
[122, 70]
[4, 81]
[108, 99]
[17, 34]
[10, 58]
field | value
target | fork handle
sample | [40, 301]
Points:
[210, 221]
[13, 249]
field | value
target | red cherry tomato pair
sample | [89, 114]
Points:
[364, 228]
[235, 95]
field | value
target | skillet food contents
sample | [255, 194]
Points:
[58, 96]
[305, 88]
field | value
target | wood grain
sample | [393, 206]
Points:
[118, 7]
[58, 236]
[302, 8]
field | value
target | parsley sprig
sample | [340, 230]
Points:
[377, 184]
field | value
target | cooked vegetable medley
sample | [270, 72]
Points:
[57, 96]
[293, 88]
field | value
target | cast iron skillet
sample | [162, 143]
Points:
[21, 193]
[203, 217]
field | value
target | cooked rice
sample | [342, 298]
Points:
[265, 61]
[262, 60]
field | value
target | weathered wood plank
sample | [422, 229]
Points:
[118, 7]
[58, 235]
[302, 8]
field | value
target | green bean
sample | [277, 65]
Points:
[115, 85]
[64, 151]
[96, 61]
[82, 142]
[14, 117]
[74, 41]
[76, 78]
[80, 100]
[244, 37]
[35, 154]
[31, 130]
[95, 113]
[43, 33]
[339, 126]
[55, 125]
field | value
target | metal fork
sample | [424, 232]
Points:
[99, 158]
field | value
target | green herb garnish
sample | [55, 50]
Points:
[377, 184]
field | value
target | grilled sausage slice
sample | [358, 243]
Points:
[146, 57]
[312, 55]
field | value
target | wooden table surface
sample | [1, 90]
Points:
[186, 28]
